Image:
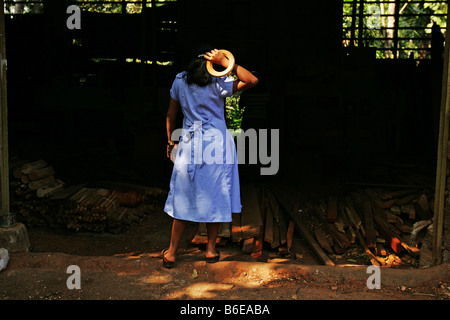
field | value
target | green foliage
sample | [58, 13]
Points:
[415, 22]
[233, 111]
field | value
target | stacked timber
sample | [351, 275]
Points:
[42, 200]
[378, 226]
[37, 177]
[103, 210]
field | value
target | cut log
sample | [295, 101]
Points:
[34, 185]
[41, 173]
[17, 173]
[49, 188]
[29, 167]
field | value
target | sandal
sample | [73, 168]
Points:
[213, 259]
[166, 263]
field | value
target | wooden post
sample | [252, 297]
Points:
[4, 167]
[438, 220]
[353, 26]
[396, 25]
[361, 24]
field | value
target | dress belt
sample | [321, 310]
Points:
[194, 135]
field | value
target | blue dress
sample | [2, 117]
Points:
[204, 186]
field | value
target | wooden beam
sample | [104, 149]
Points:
[370, 229]
[4, 161]
[442, 156]
[308, 237]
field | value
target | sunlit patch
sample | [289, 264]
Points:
[159, 279]
[202, 290]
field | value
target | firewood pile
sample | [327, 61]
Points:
[36, 176]
[375, 226]
[42, 200]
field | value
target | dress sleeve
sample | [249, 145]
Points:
[174, 91]
[225, 86]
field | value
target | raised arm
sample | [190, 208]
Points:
[245, 79]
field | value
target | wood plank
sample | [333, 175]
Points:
[290, 234]
[351, 235]
[388, 204]
[339, 237]
[268, 231]
[387, 234]
[279, 224]
[412, 212]
[236, 230]
[276, 234]
[322, 240]
[247, 245]
[332, 215]
[352, 215]
[342, 241]
[370, 229]
[250, 214]
[406, 199]
[257, 247]
[399, 193]
[373, 259]
[422, 208]
[380, 250]
[342, 216]
[258, 242]
[292, 212]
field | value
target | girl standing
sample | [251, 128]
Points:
[204, 185]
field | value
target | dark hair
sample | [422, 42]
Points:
[196, 72]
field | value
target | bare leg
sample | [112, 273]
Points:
[213, 231]
[178, 228]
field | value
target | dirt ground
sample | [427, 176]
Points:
[128, 267]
